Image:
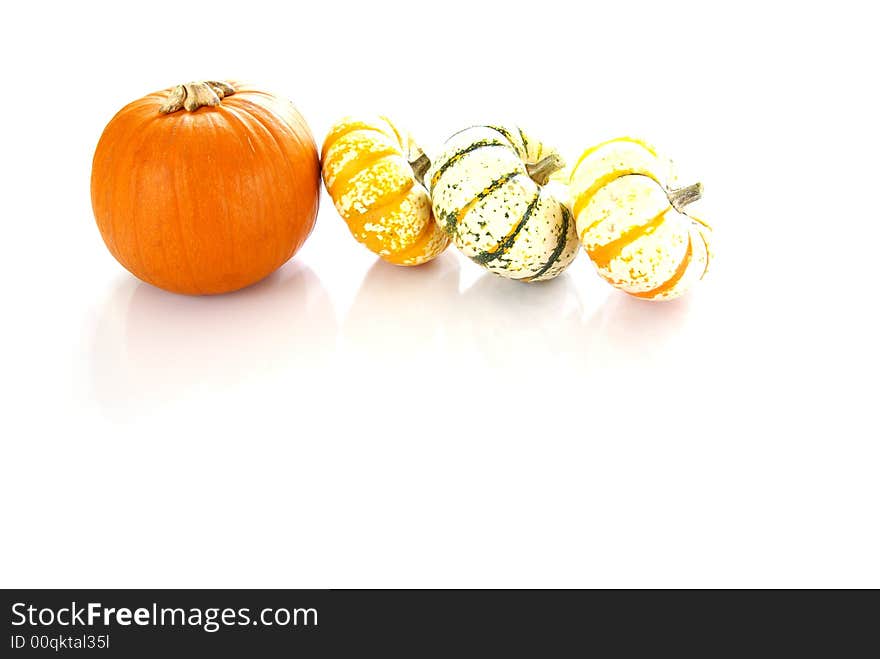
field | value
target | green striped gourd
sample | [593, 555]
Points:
[491, 193]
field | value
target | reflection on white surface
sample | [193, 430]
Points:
[400, 311]
[151, 345]
[404, 325]
[395, 358]
[418, 320]
[401, 314]
[625, 330]
[518, 327]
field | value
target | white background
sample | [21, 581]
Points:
[349, 423]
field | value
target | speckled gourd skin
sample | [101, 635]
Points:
[638, 241]
[499, 217]
[365, 164]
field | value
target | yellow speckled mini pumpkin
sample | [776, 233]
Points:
[373, 172]
[633, 225]
[492, 193]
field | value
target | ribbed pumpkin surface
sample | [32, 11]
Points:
[494, 212]
[636, 239]
[367, 173]
[207, 201]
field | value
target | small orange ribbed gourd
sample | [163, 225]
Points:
[207, 187]
[373, 171]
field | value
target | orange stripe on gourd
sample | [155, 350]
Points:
[614, 159]
[584, 198]
[351, 167]
[604, 254]
[632, 140]
[674, 279]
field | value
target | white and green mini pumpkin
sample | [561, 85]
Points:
[492, 193]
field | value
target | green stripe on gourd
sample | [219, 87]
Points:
[501, 248]
[561, 241]
[458, 155]
[506, 133]
[451, 219]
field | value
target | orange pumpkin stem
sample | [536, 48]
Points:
[541, 171]
[681, 197]
[191, 96]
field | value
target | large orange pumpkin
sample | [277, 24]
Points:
[207, 187]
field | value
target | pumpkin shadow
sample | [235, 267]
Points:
[152, 347]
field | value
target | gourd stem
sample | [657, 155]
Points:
[420, 165]
[681, 197]
[541, 171]
[191, 96]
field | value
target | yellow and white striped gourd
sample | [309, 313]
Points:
[491, 194]
[372, 171]
[633, 225]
